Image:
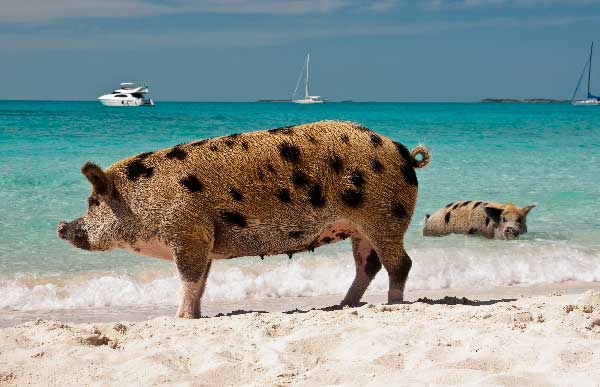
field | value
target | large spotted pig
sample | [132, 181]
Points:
[283, 190]
[489, 219]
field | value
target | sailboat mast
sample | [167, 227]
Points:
[590, 69]
[306, 84]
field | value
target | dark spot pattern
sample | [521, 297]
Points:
[236, 194]
[214, 148]
[465, 203]
[283, 130]
[487, 221]
[477, 204]
[449, 205]
[327, 240]
[92, 201]
[295, 234]
[234, 218]
[191, 183]
[145, 155]
[289, 152]
[299, 178]
[372, 264]
[352, 197]
[312, 246]
[357, 178]
[456, 206]
[342, 235]
[345, 139]
[376, 166]
[315, 195]
[283, 194]
[271, 168]
[312, 139]
[176, 153]
[398, 210]
[336, 164]
[362, 128]
[234, 135]
[245, 145]
[261, 174]
[447, 217]
[404, 152]
[472, 230]
[375, 140]
[229, 142]
[137, 169]
[198, 143]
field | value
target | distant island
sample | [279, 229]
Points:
[527, 100]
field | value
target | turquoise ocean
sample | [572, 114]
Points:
[547, 154]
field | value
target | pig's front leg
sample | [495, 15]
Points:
[191, 258]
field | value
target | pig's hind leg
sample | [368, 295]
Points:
[193, 265]
[367, 265]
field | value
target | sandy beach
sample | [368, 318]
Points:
[519, 335]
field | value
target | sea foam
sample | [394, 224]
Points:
[461, 266]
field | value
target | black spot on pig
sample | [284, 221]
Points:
[477, 204]
[176, 153]
[145, 155]
[283, 194]
[372, 265]
[376, 140]
[376, 166]
[315, 195]
[327, 240]
[234, 218]
[341, 235]
[261, 174]
[472, 230]
[214, 148]
[283, 130]
[398, 210]
[289, 152]
[449, 205]
[345, 139]
[191, 183]
[487, 221]
[312, 139]
[404, 152]
[236, 194]
[245, 145]
[336, 164]
[199, 143]
[447, 217]
[137, 169]
[271, 168]
[357, 178]
[456, 206]
[295, 234]
[352, 197]
[299, 178]
[229, 142]
[465, 203]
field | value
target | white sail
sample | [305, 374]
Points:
[308, 99]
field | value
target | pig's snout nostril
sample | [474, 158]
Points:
[60, 231]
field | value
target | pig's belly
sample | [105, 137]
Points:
[330, 233]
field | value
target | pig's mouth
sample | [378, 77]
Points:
[74, 234]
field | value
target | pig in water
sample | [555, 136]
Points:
[490, 219]
[283, 190]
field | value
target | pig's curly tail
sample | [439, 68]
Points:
[425, 156]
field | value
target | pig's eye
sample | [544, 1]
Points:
[518, 220]
[93, 201]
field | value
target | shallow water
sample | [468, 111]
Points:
[524, 153]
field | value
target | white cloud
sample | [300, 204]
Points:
[449, 4]
[17, 11]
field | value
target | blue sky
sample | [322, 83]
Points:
[234, 50]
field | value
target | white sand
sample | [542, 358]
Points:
[547, 339]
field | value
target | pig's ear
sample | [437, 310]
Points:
[528, 208]
[493, 213]
[100, 182]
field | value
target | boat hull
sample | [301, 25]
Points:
[586, 102]
[126, 102]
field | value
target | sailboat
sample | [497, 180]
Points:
[591, 99]
[308, 99]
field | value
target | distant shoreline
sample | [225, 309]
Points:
[524, 100]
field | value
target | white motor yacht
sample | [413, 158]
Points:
[129, 94]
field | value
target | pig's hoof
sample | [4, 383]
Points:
[188, 315]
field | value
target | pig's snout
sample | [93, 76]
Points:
[61, 230]
[511, 233]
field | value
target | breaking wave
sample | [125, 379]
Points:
[459, 266]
